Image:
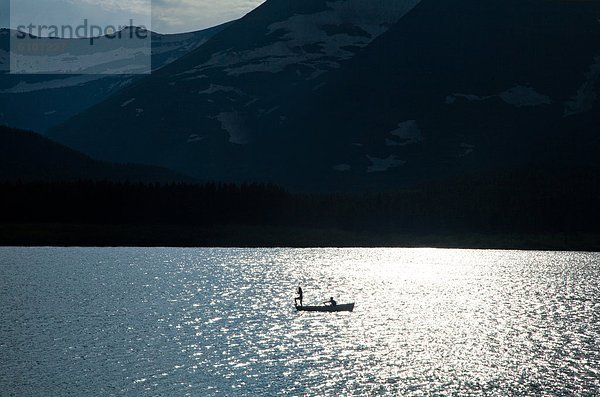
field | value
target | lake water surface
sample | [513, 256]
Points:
[221, 322]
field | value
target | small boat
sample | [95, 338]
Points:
[346, 307]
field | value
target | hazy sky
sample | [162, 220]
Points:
[166, 16]
[185, 15]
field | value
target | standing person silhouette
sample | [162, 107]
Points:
[299, 297]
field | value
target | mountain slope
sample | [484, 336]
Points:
[41, 101]
[216, 98]
[356, 94]
[26, 156]
[458, 86]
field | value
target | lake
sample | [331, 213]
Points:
[221, 322]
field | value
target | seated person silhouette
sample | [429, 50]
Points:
[331, 302]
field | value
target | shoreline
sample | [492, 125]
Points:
[243, 236]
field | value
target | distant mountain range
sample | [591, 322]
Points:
[29, 157]
[40, 101]
[363, 94]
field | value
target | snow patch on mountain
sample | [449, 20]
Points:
[127, 102]
[521, 96]
[342, 167]
[384, 164]
[199, 77]
[586, 94]
[118, 84]
[467, 149]
[518, 96]
[194, 138]
[269, 111]
[178, 43]
[23, 87]
[233, 124]
[451, 99]
[115, 61]
[317, 41]
[213, 88]
[407, 133]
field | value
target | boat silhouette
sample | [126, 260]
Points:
[346, 307]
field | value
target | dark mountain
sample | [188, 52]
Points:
[29, 157]
[40, 101]
[458, 86]
[362, 94]
[216, 98]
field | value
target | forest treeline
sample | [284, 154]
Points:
[532, 201]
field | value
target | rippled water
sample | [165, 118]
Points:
[220, 322]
